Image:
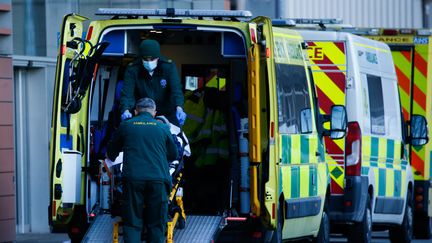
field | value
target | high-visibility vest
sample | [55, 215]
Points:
[216, 82]
[195, 121]
[206, 130]
[215, 130]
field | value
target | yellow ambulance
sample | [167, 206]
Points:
[253, 123]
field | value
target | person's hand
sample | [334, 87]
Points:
[126, 115]
[181, 115]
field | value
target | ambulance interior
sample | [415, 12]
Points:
[213, 71]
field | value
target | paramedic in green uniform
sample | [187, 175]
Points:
[156, 77]
[147, 145]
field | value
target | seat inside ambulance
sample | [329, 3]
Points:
[212, 67]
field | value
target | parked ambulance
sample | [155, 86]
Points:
[253, 125]
[410, 49]
[372, 181]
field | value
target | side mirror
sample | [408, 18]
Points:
[306, 120]
[338, 122]
[418, 130]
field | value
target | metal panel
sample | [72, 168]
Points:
[6, 90]
[7, 230]
[7, 160]
[7, 202]
[7, 183]
[33, 87]
[5, 67]
[366, 13]
[198, 229]
[6, 135]
[6, 117]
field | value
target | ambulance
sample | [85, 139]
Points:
[256, 136]
[411, 49]
[372, 183]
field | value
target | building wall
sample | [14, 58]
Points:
[364, 13]
[359, 13]
[7, 159]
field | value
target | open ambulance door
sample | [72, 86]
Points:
[262, 104]
[68, 142]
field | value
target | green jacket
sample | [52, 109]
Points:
[147, 146]
[163, 87]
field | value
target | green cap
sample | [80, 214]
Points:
[149, 48]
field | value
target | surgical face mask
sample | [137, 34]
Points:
[150, 65]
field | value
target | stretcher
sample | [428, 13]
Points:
[108, 225]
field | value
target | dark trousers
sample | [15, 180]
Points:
[148, 198]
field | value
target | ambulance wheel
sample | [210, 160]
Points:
[324, 229]
[404, 232]
[423, 227]
[361, 232]
[181, 223]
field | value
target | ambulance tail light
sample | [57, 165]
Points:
[390, 32]
[353, 150]
[419, 197]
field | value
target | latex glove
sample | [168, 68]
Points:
[126, 115]
[181, 115]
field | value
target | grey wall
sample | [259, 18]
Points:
[34, 86]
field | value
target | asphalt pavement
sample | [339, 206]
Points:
[378, 237]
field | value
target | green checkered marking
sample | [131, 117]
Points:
[336, 172]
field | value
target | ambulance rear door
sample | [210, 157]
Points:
[68, 126]
[262, 112]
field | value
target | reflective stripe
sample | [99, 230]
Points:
[220, 128]
[195, 118]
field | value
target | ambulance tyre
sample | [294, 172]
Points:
[324, 230]
[404, 232]
[361, 232]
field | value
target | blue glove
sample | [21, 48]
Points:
[126, 115]
[181, 115]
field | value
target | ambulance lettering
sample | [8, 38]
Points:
[421, 40]
[315, 53]
[393, 39]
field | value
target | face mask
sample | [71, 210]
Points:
[150, 65]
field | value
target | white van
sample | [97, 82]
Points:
[371, 178]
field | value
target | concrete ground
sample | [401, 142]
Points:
[42, 238]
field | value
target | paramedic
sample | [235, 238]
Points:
[156, 77]
[148, 146]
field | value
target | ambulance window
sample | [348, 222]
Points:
[293, 99]
[376, 104]
[392, 108]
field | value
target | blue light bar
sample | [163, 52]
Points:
[173, 12]
[283, 22]
[318, 21]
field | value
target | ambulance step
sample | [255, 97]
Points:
[100, 230]
[200, 229]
